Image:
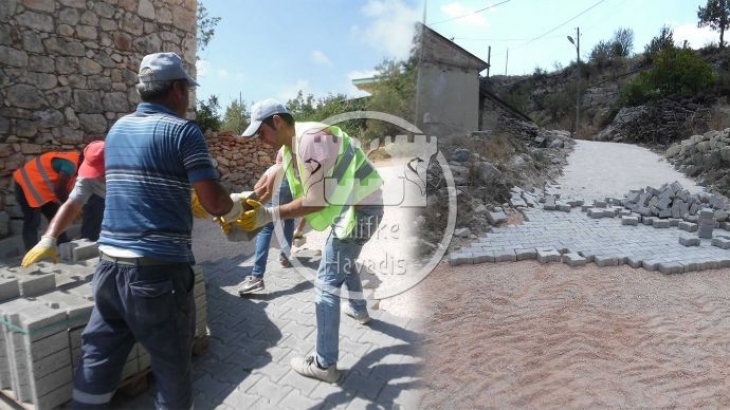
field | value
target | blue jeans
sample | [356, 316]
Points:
[32, 219]
[153, 305]
[336, 268]
[263, 239]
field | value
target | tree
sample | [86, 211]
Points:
[663, 41]
[236, 117]
[623, 42]
[206, 27]
[601, 54]
[206, 114]
[716, 15]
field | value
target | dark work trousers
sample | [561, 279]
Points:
[32, 219]
[153, 305]
[91, 218]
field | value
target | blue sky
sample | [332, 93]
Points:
[275, 48]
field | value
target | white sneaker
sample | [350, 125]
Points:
[250, 285]
[362, 318]
[307, 366]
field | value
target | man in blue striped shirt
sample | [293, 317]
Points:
[143, 284]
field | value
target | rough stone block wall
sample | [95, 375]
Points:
[68, 70]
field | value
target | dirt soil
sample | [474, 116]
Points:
[528, 335]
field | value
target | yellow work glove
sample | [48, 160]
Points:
[198, 210]
[258, 216]
[46, 248]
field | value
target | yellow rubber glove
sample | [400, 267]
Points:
[226, 227]
[198, 210]
[258, 216]
[46, 248]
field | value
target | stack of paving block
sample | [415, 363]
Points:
[43, 311]
[706, 224]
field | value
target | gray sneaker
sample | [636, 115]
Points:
[307, 366]
[250, 285]
[362, 318]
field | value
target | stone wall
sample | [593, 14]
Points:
[240, 161]
[68, 70]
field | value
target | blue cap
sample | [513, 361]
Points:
[163, 67]
[262, 110]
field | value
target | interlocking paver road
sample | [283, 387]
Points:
[253, 339]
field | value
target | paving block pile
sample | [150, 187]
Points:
[667, 229]
[43, 311]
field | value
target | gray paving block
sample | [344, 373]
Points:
[505, 255]
[460, 258]
[722, 243]
[547, 255]
[595, 213]
[669, 268]
[34, 285]
[9, 288]
[574, 259]
[689, 240]
[650, 265]
[634, 261]
[630, 220]
[482, 256]
[687, 226]
[524, 254]
[661, 224]
[606, 260]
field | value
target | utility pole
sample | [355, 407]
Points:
[417, 115]
[576, 43]
[489, 60]
[505, 62]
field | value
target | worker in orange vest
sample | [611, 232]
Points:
[41, 186]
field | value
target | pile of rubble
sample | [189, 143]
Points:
[704, 156]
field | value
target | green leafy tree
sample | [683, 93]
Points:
[307, 108]
[206, 27]
[393, 92]
[716, 15]
[206, 114]
[601, 54]
[236, 117]
[663, 41]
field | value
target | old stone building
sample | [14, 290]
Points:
[68, 70]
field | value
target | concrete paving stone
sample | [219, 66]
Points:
[9, 289]
[547, 255]
[595, 213]
[574, 259]
[269, 390]
[661, 224]
[633, 261]
[369, 387]
[686, 240]
[647, 220]
[296, 400]
[460, 258]
[629, 220]
[690, 266]
[669, 268]
[239, 400]
[674, 222]
[724, 262]
[300, 331]
[523, 254]
[650, 265]
[606, 260]
[296, 344]
[300, 384]
[721, 243]
[482, 256]
[272, 370]
[507, 255]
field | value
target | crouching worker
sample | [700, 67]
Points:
[90, 182]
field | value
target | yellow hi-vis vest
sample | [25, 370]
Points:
[346, 184]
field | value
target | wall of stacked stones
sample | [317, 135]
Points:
[68, 70]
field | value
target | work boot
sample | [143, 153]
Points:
[284, 261]
[307, 366]
[250, 285]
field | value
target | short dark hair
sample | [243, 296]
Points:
[288, 119]
[156, 90]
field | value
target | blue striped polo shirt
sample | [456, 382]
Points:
[152, 156]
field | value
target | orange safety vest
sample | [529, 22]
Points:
[38, 178]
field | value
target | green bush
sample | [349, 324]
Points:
[675, 72]
[206, 114]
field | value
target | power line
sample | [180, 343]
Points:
[502, 39]
[470, 14]
[564, 23]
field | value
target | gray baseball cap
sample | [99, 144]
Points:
[163, 67]
[262, 110]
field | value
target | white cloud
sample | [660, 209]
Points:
[353, 91]
[320, 58]
[222, 73]
[203, 68]
[453, 10]
[390, 27]
[290, 91]
[696, 36]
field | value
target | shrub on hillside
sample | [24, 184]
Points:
[675, 72]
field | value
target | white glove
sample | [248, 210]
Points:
[236, 210]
